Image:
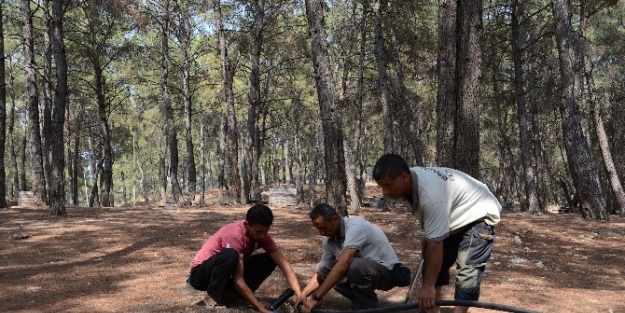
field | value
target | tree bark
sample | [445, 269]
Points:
[531, 196]
[380, 53]
[334, 157]
[227, 71]
[447, 93]
[253, 114]
[3, 115]
[584, 175]
[459, 89]
[185, 34]
[15, 171]
[57, 144]
[167, 108]
[469, 64]
[602, 136]
[35, 154]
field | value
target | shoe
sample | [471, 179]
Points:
[212, 305]
[345, 289]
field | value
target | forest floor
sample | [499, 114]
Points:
[136, 259]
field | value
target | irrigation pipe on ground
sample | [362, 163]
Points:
[413, 306]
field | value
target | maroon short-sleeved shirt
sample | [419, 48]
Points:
[233, 235]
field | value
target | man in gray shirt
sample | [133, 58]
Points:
[357, 259]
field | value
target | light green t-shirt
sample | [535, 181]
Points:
[364, 236]
[445, 200]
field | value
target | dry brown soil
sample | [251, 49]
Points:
[135, 259]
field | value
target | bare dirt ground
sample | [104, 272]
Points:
[136, 259]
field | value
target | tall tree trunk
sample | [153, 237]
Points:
[202, 167]
[335, 180]
[253, 113]
[185, 45]
[539, 165]
[353, 111]
[23, 158]
[459, 90]
[47, 91]
[584, 174]
[380, 53]
[35, 154]
[447, 93]
[221, 160]
[162, 166]
[106, 176]
[11, 138]
[167, 108]
[469, 65]
[604, 143]
[227, 71]
[315, 143]
[57, 146]
[75, 163]
[94, 165]
[409, 117]
[3, 114]
[531, 196]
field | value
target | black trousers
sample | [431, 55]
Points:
[215, 275]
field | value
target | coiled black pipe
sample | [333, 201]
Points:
[413, 306]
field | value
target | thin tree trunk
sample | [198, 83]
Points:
[47, 91]
[353, 109]
[11, 138]
[221, 160]
[312, 179]
[447, 93]
[35, 154]
[604, 143]
[23, 158]
[584, 174]
[531, 196]
[539, 166]
[168, 112]
[75, 163]
[409, 118]
[106, 176]
[380, 53]
[162, 167]
[57, 144]
[185, 42]
[3, 116]
[253, 113]
[227, 71]
[469, 64]
[335, 180]
[94, 166]
[202, 167]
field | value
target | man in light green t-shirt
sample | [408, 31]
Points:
[458, 214]
[357, 259]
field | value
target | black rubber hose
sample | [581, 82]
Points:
[413, 306]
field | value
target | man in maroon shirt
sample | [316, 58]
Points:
[225, 261]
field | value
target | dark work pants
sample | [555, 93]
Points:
[363, 278]
[215, 275]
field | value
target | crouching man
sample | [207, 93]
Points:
[357, 259]
[225, 263]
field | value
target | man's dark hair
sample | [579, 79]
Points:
[390, 165]
[259, 214]
[323, 209]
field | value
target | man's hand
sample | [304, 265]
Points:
[301, 299]
[427, 297]
[309, 305]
